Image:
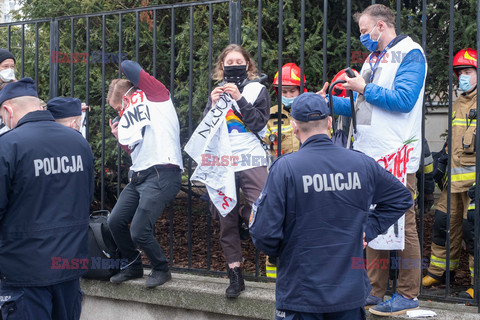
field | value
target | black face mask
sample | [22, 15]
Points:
[235, 74]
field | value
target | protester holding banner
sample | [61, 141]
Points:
[388, 108]
[228, 149]
[149, 127]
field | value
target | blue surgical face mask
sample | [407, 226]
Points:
[464, 82]
[287, 102]
[368, 42]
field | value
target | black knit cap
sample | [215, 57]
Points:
[5, 54]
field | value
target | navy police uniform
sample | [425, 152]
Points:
[312, 214]
[46, 187]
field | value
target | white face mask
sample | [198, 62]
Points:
[3, 119]
[7, 75]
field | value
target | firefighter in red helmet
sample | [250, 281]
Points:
[291, 85]
[462, 150]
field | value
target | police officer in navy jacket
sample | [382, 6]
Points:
[46, 187]
[314, 215]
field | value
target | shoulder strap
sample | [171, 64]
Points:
[262, 142]
[97, 233]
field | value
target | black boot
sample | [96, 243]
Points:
[237, 285]
[132, 270]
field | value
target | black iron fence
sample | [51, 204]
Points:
[78, 55]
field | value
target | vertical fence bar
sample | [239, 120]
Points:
[259, 65]
[399, 17]
[349, 32]
[154, 44]
[9, 38]
[280, 63]
[325, 26]
[36, 54]
[22, 44]
[72, 54]
[302, 46]
[53, 88]
[190, 107]
[449, 167]
[210, 65]
[137, 35]
[422, 176]
[87, 77]
[172, 90]
[259, 35]
[476, 248]
[235, 22]
[102, 174]
[398, 30]
[119, 148]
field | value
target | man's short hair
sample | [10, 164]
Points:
[377, 12]
[313, 125]
[116, 90]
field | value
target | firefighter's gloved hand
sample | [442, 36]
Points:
[439, 174]
[428, 202]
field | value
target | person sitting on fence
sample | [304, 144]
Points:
[245, 120]
[149, 127]
[463, 157]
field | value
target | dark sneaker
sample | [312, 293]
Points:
[157, 278]
[132, 272]
[372, 301]
[396, 305]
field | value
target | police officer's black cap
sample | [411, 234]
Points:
[309, 106]
[5, 54]
[24, 87]
[62, 107]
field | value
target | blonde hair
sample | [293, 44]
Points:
[252, 67]
[116, 90]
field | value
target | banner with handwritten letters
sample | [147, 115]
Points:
[395, 163]
[211, 141]
[133, 120]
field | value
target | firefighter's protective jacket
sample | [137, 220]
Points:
[289, 142]
[463, 142]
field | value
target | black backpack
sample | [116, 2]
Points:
[103, 255]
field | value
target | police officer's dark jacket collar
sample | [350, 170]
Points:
[40, 115]
[323, 138]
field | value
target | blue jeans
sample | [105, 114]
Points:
[354, 314]
[61, 301]
[140, 204]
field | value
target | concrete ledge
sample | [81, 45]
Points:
[189, 297]
[185, 297]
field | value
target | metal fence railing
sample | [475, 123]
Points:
[78, 55]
